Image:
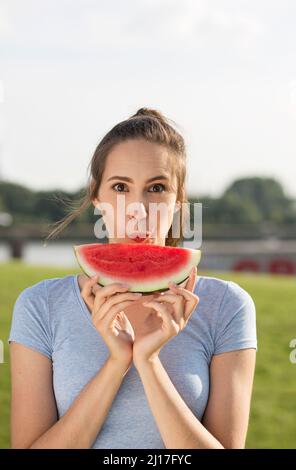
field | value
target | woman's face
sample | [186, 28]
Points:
[137, 174]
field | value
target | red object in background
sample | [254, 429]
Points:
[246, 265]
[275, 266]
[281, 266]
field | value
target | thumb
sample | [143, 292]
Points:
[87, 293]
[94, 284]
[90, 284]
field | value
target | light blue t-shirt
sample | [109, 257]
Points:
[52, 318]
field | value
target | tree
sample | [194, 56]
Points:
[265, 194]
[251, 200]
[17, 200]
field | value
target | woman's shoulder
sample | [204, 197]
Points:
[230, 312]
[41, 287]
[42, 294]
[226, 290]
[210, 283]
[32, 322]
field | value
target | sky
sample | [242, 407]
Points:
[223, 70]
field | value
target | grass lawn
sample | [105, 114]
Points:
[273, 410]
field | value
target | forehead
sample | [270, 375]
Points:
[136, 154]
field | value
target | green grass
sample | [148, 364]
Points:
[272, 419]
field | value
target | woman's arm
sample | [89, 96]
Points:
[34, 420]
[225, 421]
[228, 408]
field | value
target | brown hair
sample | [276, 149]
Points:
[154, 127]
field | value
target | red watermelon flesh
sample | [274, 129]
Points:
[146, 268]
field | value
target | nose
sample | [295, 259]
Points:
[136, 210]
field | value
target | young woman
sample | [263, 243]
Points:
[101, 367]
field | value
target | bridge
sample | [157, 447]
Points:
[257, 248]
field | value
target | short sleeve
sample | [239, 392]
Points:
[30, 320]
[236, 322]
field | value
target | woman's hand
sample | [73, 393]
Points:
[106, 305]
[174, 308]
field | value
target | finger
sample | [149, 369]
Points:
[188, 284]
[87, 287]
[181, 291]
[126, 324]
[107, 291]
[160, 306]
[114, 300]
[192, 279]
[177, 301]
[124, 319]
[111, 288]
[86, 292]
[190, 298]
[183, 284]
[111, 314]
[167, 317]
[95, 288]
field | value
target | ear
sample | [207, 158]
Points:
[97, 205]
[95, 202]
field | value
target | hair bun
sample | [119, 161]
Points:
[149, 112]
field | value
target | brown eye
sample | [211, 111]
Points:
[120, 185]
[158, 185]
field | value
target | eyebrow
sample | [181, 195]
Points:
[126, 178]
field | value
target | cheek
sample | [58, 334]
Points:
[165, 218]
[109, 198]
[170, 204]
[108, 208]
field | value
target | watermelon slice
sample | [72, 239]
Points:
[146, 268]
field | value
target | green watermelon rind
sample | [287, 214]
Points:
[148, 287]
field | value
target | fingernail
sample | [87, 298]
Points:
[171, 283]
[124, 285]
[137, 294]
[95, 277]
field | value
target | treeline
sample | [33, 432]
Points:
[251, 200]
